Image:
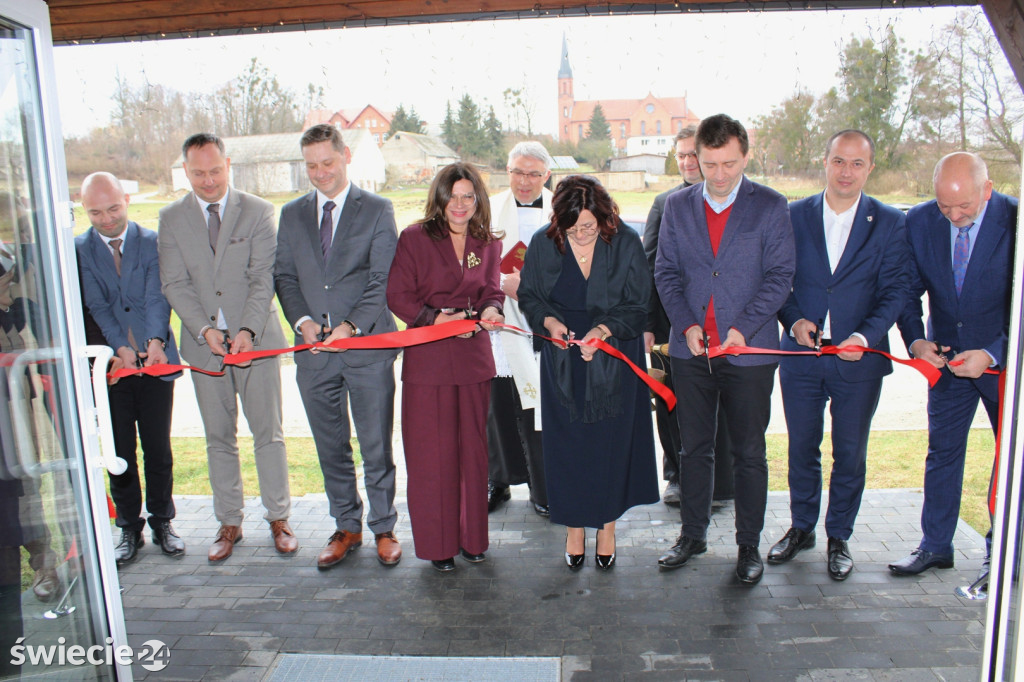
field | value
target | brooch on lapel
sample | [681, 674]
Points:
[870, 218]
[472, 260]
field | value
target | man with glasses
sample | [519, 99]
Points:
[513, 429]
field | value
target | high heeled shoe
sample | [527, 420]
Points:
[575, 561]
[603, 561]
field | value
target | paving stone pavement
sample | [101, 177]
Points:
[230, 621]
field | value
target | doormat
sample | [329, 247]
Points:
[321, 667]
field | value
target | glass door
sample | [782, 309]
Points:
[60, 607]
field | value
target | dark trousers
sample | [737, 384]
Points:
[745, 396]
[668, 433]
[804, 396]
[514, 451]
[951, 407]
[143, 403]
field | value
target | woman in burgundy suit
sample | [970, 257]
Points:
[446, 268]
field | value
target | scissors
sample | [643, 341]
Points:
[324, 333]
[707, 348]
[817, 336]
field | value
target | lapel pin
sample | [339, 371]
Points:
[870, 218]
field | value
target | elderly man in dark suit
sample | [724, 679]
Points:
[334, 249]
[724, 268]
[962, 246]
[217, 249]
[117, 260]
[851, 283]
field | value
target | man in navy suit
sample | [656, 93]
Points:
[962, 246]
[121, 289]
[724, 268]
[851, 283]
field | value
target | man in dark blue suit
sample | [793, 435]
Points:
[962, 245]
[851, 283]
[724, 268]
[117, 260]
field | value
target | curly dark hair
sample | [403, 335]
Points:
[435, 223]
[575, 194]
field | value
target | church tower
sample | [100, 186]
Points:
[565, 96]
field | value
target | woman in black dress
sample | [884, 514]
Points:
[586, 277]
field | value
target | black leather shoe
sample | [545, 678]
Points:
[575, 561]
[671, 494]
[127, 549]
[604, 561]
[682, 551]
[497, 495]
[472, 558]
[840, 563]
[541, 509]
[749, 568]
[170, 543]
[444, 565]
[919, 561]
[792, 542]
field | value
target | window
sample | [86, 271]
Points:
[622, 131]
[657, 125]
[565, 112]
[643, 127]
[649, 108]
[580, 131]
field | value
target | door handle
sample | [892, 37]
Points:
[100, 425]
[22, 415]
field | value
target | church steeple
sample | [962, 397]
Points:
[564, 70]
[566, 99]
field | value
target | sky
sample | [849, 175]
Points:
[738, 63]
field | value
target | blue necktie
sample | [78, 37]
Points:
[326, 227]
[961, 254]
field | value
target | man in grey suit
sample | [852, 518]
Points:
[217, 248]
[334, 251]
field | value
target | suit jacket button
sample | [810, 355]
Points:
[959, 324]
[714, 274]
[213, 318]
[127, 310]
[218, 293]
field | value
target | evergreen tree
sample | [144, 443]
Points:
[405, 122]
[448, 132]
[599, 128]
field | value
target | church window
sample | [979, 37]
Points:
[643, 127]
[622, 131]
[657, 124]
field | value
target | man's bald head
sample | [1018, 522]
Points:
[105, 204]
[961, 187]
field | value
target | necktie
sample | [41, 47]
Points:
[214, 224]
[961, 253]
[115, 250]
[326, 227]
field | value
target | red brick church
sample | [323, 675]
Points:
[647, 117]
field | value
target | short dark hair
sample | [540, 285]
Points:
[685, 134]
[851, 131]
[714, 132]
[575, 194]
[323, 132]
[201, 140]
[435, 223]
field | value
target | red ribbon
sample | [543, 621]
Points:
[930, 372]
[410, 337]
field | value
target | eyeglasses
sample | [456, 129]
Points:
[463, 199]
[589, 228]
[682, 157]
[533, 175]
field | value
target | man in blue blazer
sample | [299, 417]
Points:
[724, 268]
[962, 246]
[851, 283]
[121, 289]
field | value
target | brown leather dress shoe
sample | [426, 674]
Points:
[284, 538]
[222, 547]
[338, 547]
[46, 584]
[389, 552]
